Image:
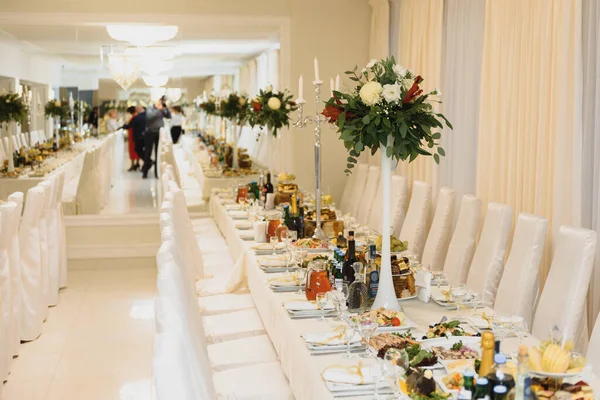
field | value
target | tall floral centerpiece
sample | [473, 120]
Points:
[388, 111]
[271, 109]
[56, 110]
[234, 108]
[12, 109]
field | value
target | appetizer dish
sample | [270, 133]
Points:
[458, 351]
[311, 243]
[396, 245]
[454, 381]
[421, 386]
[546, 389]
[418, 356]
[386, 317]
[447, 329]
[550, 359]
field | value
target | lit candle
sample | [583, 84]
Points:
[331, 86]
[317, 70]
[300, 88]
[337, 82]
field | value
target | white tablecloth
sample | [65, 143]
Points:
[302, 369]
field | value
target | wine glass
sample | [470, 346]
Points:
[301, 254]
[366, 328]
[377, 373]
[395, 364]
[501, 325]
[300, 277]
[289, 257]
[273, 240]
[340, 296]
[321, 301]
[459, 293]
[348, 335]
[520, 328]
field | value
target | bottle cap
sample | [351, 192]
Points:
[350, 233]
[500, 389]
[500, 358]
[469, 373]
[482, 381]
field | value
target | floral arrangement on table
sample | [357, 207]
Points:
[84, 107]
[12, 108]
[209, 106]
[56, 108]
[272, 109]
[387, 101]
[230, 106]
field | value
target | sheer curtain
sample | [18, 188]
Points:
[273, 68]
[463, 47]
[379, 44]
[529, 126]
[591, 139]
[420, 50]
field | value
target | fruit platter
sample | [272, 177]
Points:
[553, 360]
[396, 245]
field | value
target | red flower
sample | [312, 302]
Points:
[414, 91]
[257, 106]
[332, 113]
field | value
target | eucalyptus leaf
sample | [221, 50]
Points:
[441, 151]
[436, 157]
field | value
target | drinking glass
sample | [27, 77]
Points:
[366, 328]
[300, 276]
[340, 295]
[377, 373]
[274, 241]
[292, 236]
[348, 334]
[321, 303]
[521, 328]
[459, 293]
[301, 253]
[395, 364]
[502, 325]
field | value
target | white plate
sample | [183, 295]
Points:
[408, 324]
[447, 341]
[461, 367]
[556, 375]
[408, 298]
[442, 385]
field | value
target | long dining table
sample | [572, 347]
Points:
[302, 369]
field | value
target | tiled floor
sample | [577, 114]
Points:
[97, 343]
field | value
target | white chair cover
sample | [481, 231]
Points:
[519, 284]
[414, 229]
[398, 204]
[46, 185]
[562, 302]
[593, 351]
[6, 211]
[488, 262]
[62, 232]
[31, 265]
[370, 191]
[344, 203]
[14, 254]
[241, 353]
[362, 173]
[262, 381]
[436, 246]
[53, 240]
[462, 245]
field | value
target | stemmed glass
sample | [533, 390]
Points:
[395, 364]
[301, 253]
[348, 334]
[321, 301]
[501, 325]
[366, 327]
[377, 373]
[339, 297]
[459, 293]
[300, 277]
[274, 240]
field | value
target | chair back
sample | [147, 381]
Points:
[370, 191]
[436, 246]
[414, 229]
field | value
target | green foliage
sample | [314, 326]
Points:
[12, 108]
[235, 108]
[274, 115]
[209, 106]
[56, 108]
[406, 115]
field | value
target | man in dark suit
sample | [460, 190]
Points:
[155, 116]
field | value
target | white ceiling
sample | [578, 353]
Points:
[204, 48]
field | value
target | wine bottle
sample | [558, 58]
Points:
[286, 216]
[300, 221]
[469, 381]
[481, 390]
[268, 186]
[372, 272]
[487, 353]
[350, 259]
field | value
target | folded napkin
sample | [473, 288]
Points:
[267, 247]
[244, 225]
[423, 283]
[354, 374]
[441, 294]
[272, 261]
[248, 235]
[329, 338]
[285, 280]
[305, 306]
[481, 321]
[238, 214]
[232, 207]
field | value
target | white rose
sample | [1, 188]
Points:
[274, 103]
[370, 93]
[391, 93]
[57, 103]
[269, 88]
[287, 107]
[364, 71]
[407, 83]
[399, 70]
[371, 63]
[242, 101]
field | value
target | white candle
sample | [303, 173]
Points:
[331, 86]
[337, 82]
[317, 70]
[300, 88]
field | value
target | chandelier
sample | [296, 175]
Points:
[155, 67]
[142, 35]
[124, 70]
[156, 80]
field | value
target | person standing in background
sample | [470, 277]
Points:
[177, 120]
[139, 130]
[112, 125]
[93, 120]
[133, 155]
[155, 116]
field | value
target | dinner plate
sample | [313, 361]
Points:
[286, 289]
[274, 270]
[427, 343]
[442, 385]
[556, 375]
[408, 324]
[408, 298]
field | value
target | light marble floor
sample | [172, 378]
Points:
[97, 343]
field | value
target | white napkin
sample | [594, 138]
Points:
[249, 235]
[353, 374]
[285, 280]
[270, 204]
[305, 306]
[329, 338]
[272, 261]
[238, 214]
[267, 247]
[244, 225]
[438, 295]
[260, 232]
[231, 207]
[423, 283]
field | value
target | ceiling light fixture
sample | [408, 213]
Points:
[156, 80]
[154, 67]
[142, 35]
[124, 70]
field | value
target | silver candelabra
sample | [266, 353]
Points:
[302, 122]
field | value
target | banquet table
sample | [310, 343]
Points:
[302, 369]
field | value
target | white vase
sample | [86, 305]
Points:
[386, 294]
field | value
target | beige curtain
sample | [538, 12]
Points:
[252, 79]
[420, 50]
[244, 79]
[273, 68]
[530, 124]
[379, 44]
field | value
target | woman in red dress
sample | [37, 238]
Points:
[133, 155]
